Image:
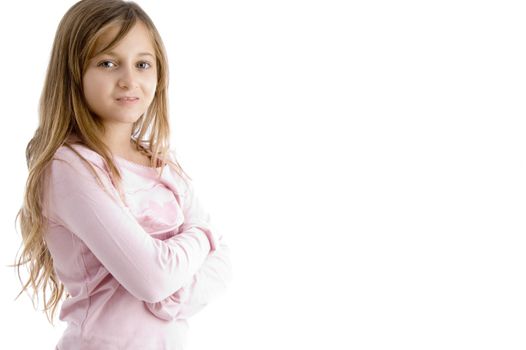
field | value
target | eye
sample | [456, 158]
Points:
[146, 63]
[103, 64]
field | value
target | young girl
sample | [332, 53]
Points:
[108, 214]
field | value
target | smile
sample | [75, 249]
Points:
[127, 100]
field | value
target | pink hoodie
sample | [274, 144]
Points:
[135, 270]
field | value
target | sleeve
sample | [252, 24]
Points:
[210, 281]
[150, 269]
[196, 217]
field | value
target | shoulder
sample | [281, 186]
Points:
[77, 153]
[77, 163]
[174, 175]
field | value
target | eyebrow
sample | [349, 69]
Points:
[111, 53]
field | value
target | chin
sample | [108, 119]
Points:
[123, 118]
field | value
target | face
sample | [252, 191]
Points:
[120, 85]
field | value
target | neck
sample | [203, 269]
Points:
[118, 139]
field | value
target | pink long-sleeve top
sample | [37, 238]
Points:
[136, 269]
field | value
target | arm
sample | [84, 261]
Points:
[211, 279]
[148, 268]
[209, 282]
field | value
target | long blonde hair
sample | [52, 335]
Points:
[64, 119]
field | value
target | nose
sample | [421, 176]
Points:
[127, 79]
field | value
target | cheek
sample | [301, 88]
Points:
[152, 80]
[88, 87]
[94, 87]
[91, 85]
[150, 86]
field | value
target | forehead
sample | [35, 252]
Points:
[138, 38]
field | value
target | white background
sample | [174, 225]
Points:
[365, 160]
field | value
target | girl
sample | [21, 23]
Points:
[108, 216]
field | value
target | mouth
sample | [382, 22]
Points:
[127, 101]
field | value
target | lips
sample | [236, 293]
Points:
[127, 98]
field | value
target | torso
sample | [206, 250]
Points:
[137, 156]
[140, 158]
